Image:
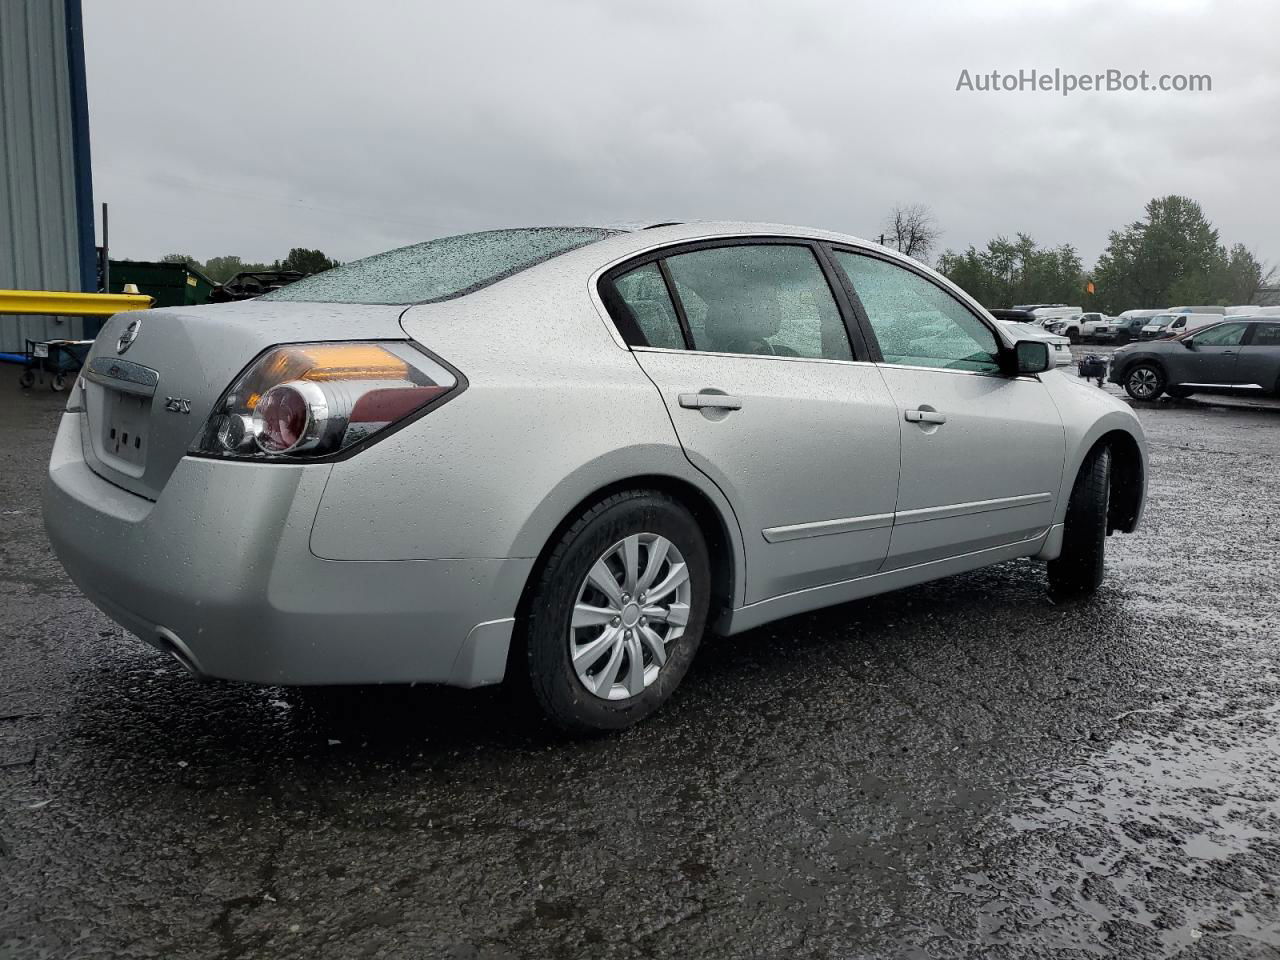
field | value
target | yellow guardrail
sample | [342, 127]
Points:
[60, 304]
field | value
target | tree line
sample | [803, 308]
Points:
[1172, 255]
[222, 269]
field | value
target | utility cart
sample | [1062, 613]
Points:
[53, 363]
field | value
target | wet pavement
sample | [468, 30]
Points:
[961, 769]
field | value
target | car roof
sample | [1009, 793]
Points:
[613, 250]
[669, 233]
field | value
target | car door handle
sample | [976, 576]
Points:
[925, 416]
[709, 401]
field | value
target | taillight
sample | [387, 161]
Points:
[315, 399]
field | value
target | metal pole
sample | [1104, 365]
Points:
[106, 259]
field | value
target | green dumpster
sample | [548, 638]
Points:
[171, 284]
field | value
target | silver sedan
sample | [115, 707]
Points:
[562, 456]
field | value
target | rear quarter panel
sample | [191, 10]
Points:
[555, 409]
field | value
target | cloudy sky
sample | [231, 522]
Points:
[250, 127]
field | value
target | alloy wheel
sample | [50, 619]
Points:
[1143, 383]
[631, 607]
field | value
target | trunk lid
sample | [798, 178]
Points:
[144, 406]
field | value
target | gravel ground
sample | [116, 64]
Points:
[961, 769]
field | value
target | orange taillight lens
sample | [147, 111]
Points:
[323, 398]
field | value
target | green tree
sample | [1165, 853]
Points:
[1171, 256]
[1242, 276]
[306, 261]
[181, 258]
[1007, 271]
[221, 269]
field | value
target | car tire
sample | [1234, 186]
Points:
[598, 537]
[1073, 334]
[27, 378]
[1078, 569]
[1144, 381]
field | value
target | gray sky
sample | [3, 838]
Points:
[251, 127]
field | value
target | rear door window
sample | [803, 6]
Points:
[643, 291]
[769, 299]
[1266, 335]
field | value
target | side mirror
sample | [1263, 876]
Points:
[1031, 356]
[1188, 342]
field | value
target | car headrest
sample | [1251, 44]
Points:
[743, 318]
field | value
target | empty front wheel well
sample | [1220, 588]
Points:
[1127, 480]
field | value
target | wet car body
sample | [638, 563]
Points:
[190, 507]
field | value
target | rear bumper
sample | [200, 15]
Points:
[219, 570]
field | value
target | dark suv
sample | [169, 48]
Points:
[1242, 354]
[1128, 329]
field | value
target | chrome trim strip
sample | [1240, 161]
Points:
[759, 612]
[848, 363]
[1229, 386]
[751, 356]
[123, 375]
[967, 509]
[822, 528]
[967, 373]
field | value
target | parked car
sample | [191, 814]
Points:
[1091, 326]
[1050, 313]
[563, 455]
[1166, 325]
[1023, 324]
[1047, 309]
[1123, 330]
[1188, 322]
[1238, 354]
[1129, 324]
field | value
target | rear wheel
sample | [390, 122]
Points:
[1073, 334]
[27, 378]
[1144, 381]
[1078, 569]
[618, 612]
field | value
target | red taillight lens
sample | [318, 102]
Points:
[310, 400]
[280, 418]
[387, 406]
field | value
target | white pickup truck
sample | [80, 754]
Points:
[1088, 326]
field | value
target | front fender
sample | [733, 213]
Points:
[1088, 415]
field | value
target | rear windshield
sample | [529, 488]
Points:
[439, 269]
